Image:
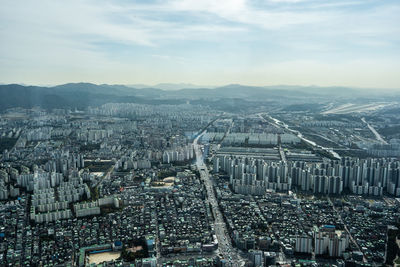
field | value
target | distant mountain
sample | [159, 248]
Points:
[76, 95]
[330, 90]
[244, 92]
[82, 95]
[170, 86]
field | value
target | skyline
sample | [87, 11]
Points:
[260, 43]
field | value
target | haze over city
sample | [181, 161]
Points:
[200, 133]
[206, 43]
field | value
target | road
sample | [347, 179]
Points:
[280, 124]
[345, 227]
[106, 175]
[377, 135]
[224, 242]
[226, 133]
[282, 153]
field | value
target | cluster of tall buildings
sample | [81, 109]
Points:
[390, 150]
[43, 133]
[359, 176]
[93, 135]
[50, 201]
[180, 154]
[63, 161]
[143, 110]
[325, 241]
[94, 207]
[127, 163]
[252, 139]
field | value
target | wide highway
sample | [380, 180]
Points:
[377, 135]
[224, 243]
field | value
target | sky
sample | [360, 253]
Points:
[203, 42]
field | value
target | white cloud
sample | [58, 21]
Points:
[287, 1]
[85, 36]
[241, 11]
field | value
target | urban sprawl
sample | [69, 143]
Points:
[188, 185]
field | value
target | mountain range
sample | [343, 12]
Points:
[82, 95]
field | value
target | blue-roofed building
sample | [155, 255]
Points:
[150, 243]
[117, 245]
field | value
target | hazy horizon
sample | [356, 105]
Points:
[256, 43]
[183, 86]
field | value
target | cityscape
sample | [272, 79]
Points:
[126, 184]
[199, 133]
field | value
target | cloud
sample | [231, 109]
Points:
[96, 36]
[241, 11]
[144, 24]
[286, 1]
[170, 58]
